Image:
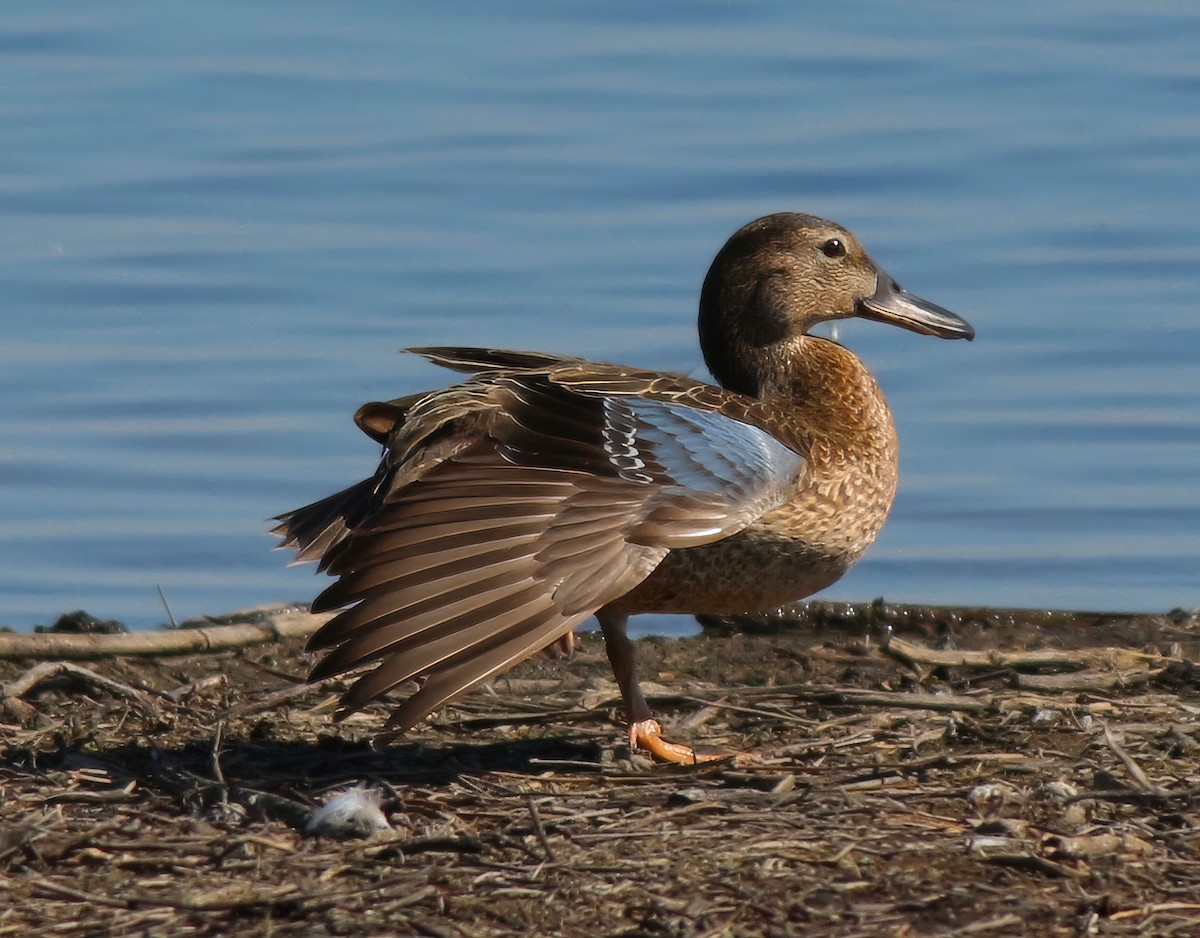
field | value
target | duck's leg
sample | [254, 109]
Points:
[644, 731]
[561, 647]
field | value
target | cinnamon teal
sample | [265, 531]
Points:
[543, 489]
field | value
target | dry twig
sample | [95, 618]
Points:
[285, 622]
[39, 674]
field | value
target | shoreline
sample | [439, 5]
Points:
[1045, 780]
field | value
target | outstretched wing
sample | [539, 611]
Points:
[539, 505]
[474, 360]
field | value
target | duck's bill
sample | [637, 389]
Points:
[892, 303]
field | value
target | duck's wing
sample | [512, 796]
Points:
[475, 360]
[512, 507]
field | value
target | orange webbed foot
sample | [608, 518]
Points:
[646, 736]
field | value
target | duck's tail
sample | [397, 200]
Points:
[315, 530]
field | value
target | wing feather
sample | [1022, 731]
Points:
[460, 673]
[403, 640]
[510, 508]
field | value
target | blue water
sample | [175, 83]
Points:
[219, 221]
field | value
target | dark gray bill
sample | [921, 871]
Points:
[892, 303]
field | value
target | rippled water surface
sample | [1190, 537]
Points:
[218, 223]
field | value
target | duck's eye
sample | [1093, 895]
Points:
[833, 248]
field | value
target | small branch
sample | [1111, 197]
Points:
[1032, 863]
[1139, 777]
[1038, 659]
[538, 829]
[875, 698]
[47, 670]
[207, 682]
[167, 606]
[270, 701]
[1075, 682]
[277, 624]
[218, 737]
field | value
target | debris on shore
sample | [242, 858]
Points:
[915, 772]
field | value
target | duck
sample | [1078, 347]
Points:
[541, 490]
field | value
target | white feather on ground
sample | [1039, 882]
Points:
[351, 812]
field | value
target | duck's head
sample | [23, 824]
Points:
[778, 277]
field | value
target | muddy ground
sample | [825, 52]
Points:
[912, 772]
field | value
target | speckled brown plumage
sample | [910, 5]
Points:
[841, 424]
[543, 489]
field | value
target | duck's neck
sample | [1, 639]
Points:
[842, 425]
[836, 405]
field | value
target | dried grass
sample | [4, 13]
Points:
[893, 793]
